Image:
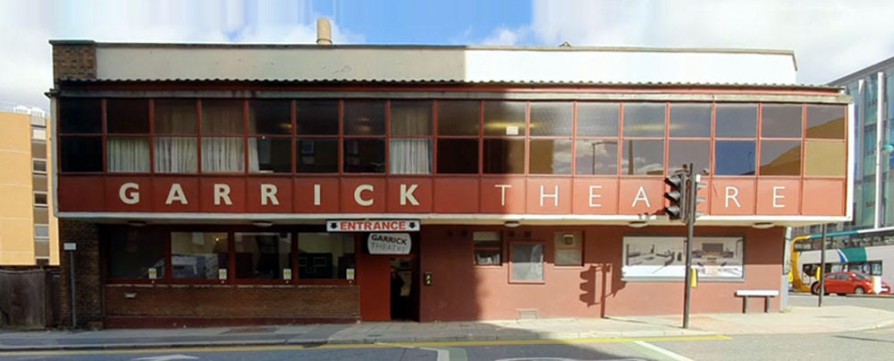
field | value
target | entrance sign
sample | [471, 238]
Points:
[389, 225]
[389, 243]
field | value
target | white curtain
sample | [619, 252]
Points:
[175, 155]
[411, 156]
[255, 154]
[223, 154]
[128, 154]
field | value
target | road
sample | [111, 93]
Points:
[808, 300]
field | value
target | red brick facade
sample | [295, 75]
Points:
[74, 60]
[88, 274]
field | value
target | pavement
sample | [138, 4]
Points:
[828, 319]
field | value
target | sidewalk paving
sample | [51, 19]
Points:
[796, 320]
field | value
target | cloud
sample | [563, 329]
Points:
[830, 38]
[27, 26]
[507, 37]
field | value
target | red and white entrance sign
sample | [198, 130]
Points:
[387, 225]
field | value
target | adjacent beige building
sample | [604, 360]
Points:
[28, 229]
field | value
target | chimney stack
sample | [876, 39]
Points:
[324, 32]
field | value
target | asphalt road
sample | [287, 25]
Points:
[807, 300]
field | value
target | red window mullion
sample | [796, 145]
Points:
[199, 122]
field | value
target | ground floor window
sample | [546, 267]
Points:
[526, 261]
[136, 254]
[264, 256]
[488, 248]
[199, 255]
[326, 256]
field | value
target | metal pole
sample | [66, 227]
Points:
[822, 273]
[692, 188]
[74, 310]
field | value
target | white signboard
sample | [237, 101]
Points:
[389, 243]
[663, 257]
[387, 225]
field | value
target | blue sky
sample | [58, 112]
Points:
[830, 38]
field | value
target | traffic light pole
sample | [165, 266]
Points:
[692, 200]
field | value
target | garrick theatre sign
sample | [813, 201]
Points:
[497, 195]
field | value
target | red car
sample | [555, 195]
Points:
[843, 283]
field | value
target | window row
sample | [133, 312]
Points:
[230, 257]
[527, 258]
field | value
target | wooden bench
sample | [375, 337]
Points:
[766, 294]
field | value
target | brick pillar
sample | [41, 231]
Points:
[74, 59]
[88, 279]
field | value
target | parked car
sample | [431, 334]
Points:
[845, 283]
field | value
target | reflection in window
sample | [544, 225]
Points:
[364, 117]
[317, 155]
[128, 154]
[270, 117]
[81, 154]
[690, 120]
[317, 117]
[596, 156]
[644, 119]
[826, 121]
[136, 254]
[643, 157]
[127, 116]
[736, 120]
[488, 248]
[457, 156]
[459, 117]
[550, 156]
[80, 115]
[689, 151]
[263, 256]
[325, 256]
[734, 157]
[527, 262]
[199, 255]
[552, 119]
[411, 155]
[598, 119]
[824, 158]
[365, 155]
[780, 158]
[270, 155]
[504, 156]
[781, 121]
[504, 118]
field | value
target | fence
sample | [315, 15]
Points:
[29, 298]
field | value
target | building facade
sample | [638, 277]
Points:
[28, 235]
[346, 183]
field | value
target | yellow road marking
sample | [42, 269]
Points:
[249, 348]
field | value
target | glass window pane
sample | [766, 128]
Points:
[504, 156]
[458, 156]
[736, 120]
[552, 118]
[223, 155]
[734, 157]
[364, 117]
[647, 157]
[780, 158]
[690, 120]
[136, 254]
[176, 155]
[684, 151]
[325, 255]
[317, 155]
[175, 116]
[410, 156]
[597, 157]
[270, 116]
[826, 121]
[41, 231]
[411, 118]
[644, 119]
[81, 154]
[128, 154]
[364, 156]
[223, 116]
[598, 119]
[265, 256]
[488, 248]
[504, 118]
[569, 248]
[824, 158]
[270, 155]
[199, 255]
[550, 156]
[127, 116]
[80, 115]
[317, 117]
[527, 262]
[40, 199]
[459, 117]
[781, 121]
[39, 165]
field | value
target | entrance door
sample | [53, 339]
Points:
[404, 289]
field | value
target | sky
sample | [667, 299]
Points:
[830, 38]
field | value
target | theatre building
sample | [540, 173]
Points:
[250, 184]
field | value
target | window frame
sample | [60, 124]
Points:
[35, 161]
[501, 249]
[510, 261]
[581, 248]
[38, 204]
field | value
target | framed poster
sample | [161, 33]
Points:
[662, 258]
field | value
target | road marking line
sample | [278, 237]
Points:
[664, 352]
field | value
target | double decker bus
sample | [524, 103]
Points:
[870, 251]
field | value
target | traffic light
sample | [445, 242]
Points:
[699, 185]
[676, 195]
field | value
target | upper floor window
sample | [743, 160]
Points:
[411, 144]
